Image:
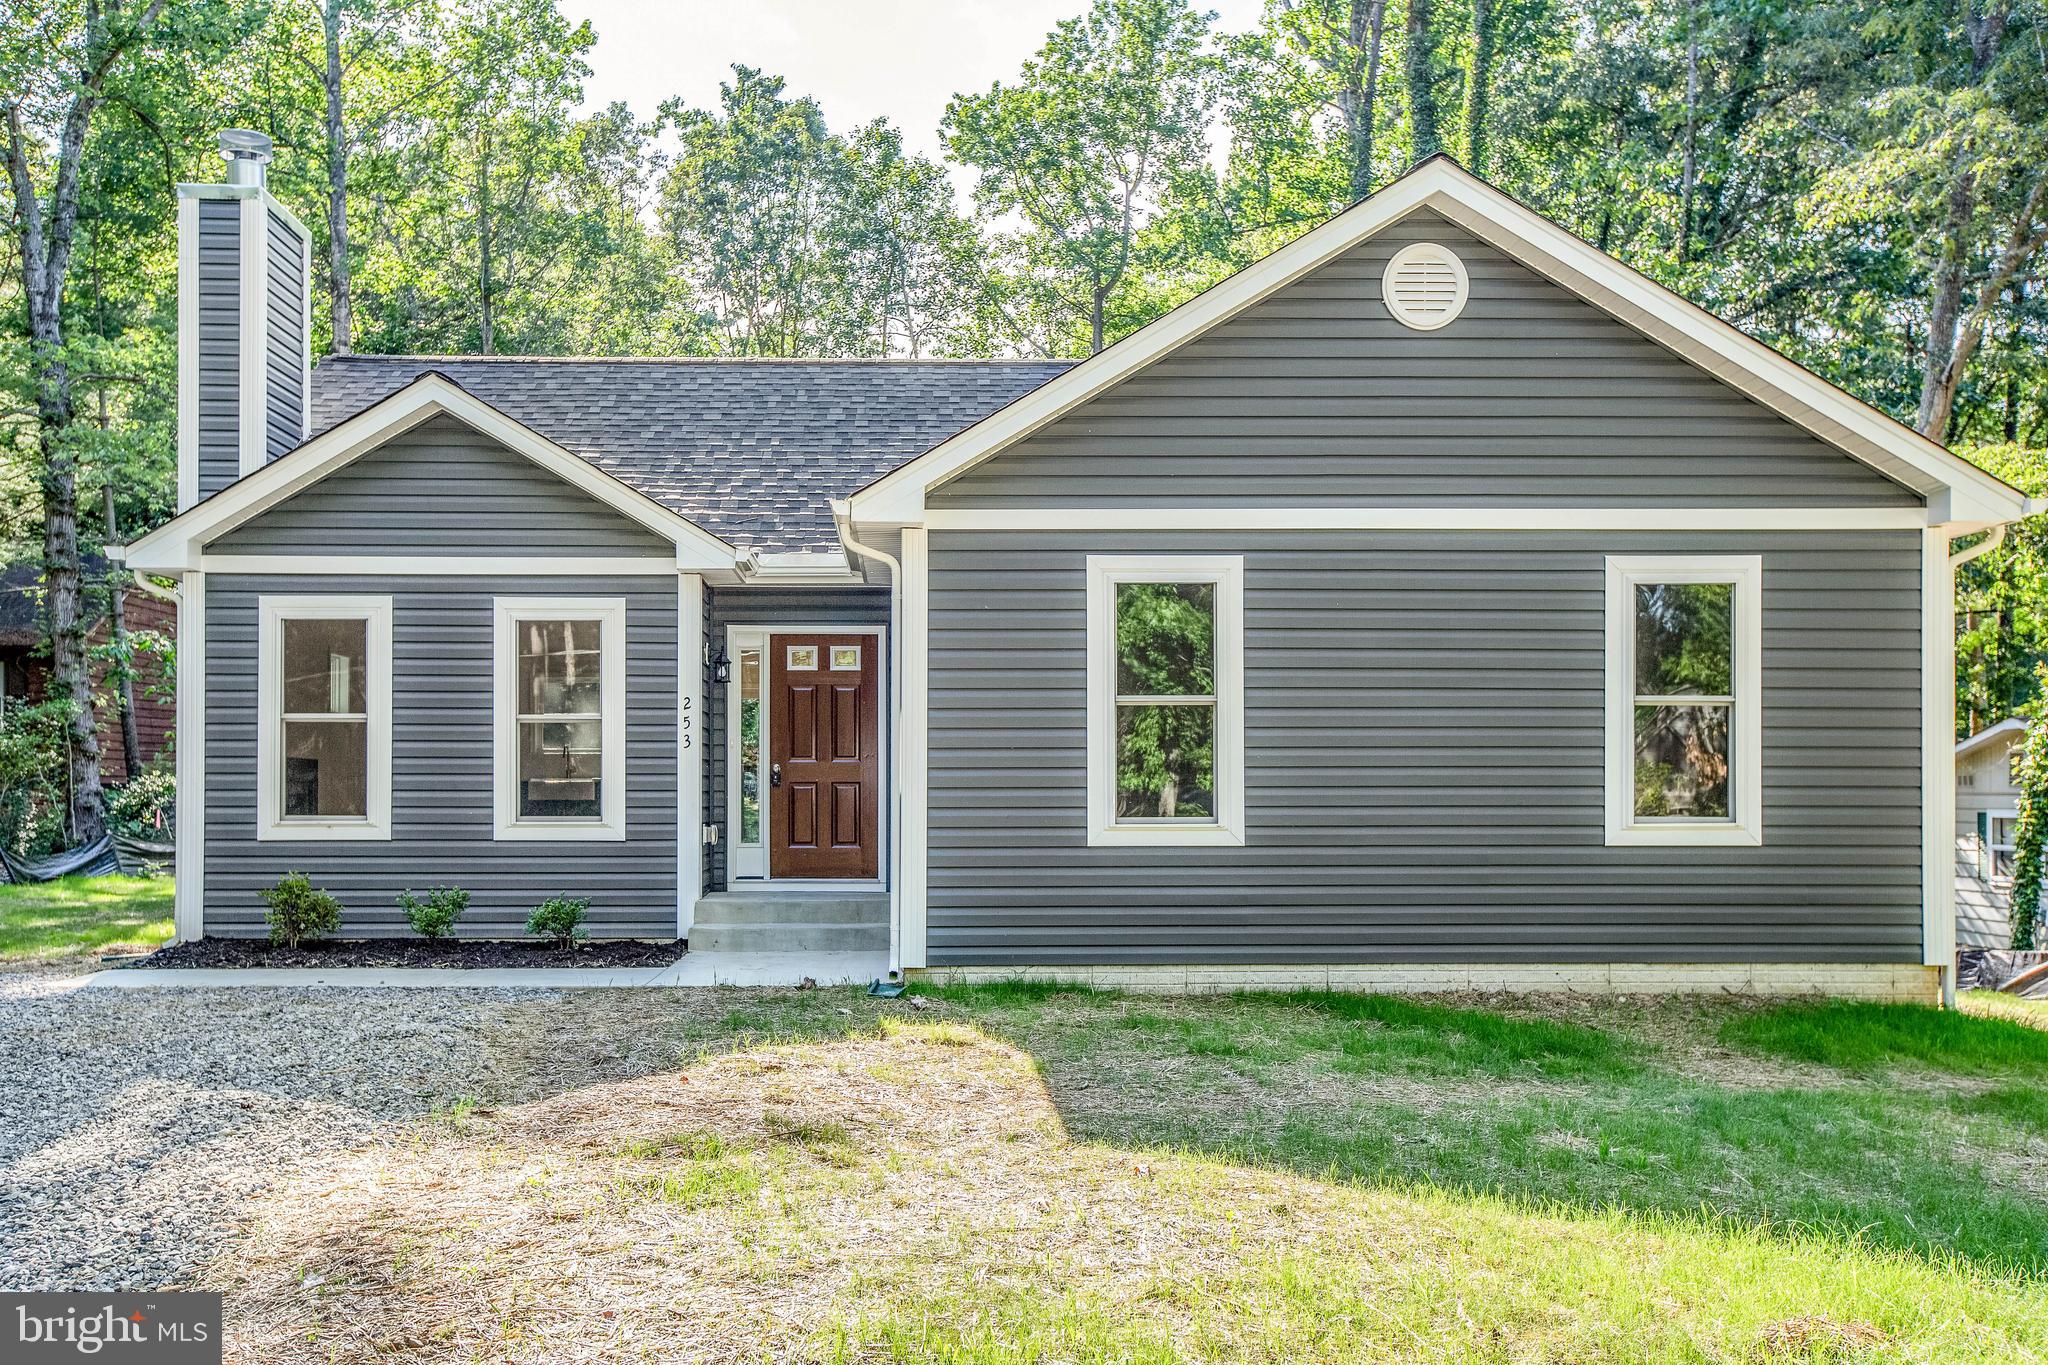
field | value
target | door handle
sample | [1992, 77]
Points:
[775, 774]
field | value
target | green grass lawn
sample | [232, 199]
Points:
[1023, 1174]
[77, 916]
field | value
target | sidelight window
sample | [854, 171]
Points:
[324, 717]
[560, 716]
[1684, 735]
[1165, 703]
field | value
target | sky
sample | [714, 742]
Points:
[861, 59]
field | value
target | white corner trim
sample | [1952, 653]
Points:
[1745, 572]
[495, 566]
[272, 612]
[913, 750]
[1427, 254]
[1105, 572]
[1937, 751]
[188, 869]
[1528, 518]
[610, 614]
[188, 351]
[690, 735]
[175, 546]
[305, 327]
[252, 396]
[898, 498]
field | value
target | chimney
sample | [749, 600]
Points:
[244, 323]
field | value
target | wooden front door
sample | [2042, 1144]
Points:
[825, 768]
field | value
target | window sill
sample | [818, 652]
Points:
[592, 832]
[1165, 836]
[315, 831]
[1684, 836]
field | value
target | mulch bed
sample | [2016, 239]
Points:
[413, 952]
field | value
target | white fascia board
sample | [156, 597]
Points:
[175, 546]
[2012, 725]
[1425, 519]
[1800, 396]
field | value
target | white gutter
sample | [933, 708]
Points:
[842, 521]
[115, 554]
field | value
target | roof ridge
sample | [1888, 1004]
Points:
[695, 360]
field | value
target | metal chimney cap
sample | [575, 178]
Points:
[247, 152]
[244, 144]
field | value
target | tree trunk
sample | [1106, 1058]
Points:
[1422, 81]
[117, 618]
[1937, 395]
[1479, 85]
[1689, 181]
[1358, 99]
[483, 239]
[338, 278]
[62, 578]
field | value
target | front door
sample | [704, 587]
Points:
[824, 768]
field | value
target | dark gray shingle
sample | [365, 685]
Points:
[750, 450]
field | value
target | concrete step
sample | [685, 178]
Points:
[772, 919]
[790, 937]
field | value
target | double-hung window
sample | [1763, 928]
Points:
[323, 740]
[1684, 699]
[1165, 699]
[561, 718]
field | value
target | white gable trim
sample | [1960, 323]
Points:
[1959, 493]
[175, 547]
[2008, 730]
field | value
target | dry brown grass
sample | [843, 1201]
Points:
[906, 1187]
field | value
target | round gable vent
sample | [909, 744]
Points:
[1425, 286]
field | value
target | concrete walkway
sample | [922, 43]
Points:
[695, 969]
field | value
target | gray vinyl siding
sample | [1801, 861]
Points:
[284, 350]
[406, 496]
[1316, 396]
[442, 766]
[1424, 754]
[805, 606]
[219, 350]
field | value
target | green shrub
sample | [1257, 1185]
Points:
[143, 806]
[34, 751]
[559, 920]
[434, 914]
[298, 912]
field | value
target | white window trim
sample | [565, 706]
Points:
[272, 612]
[1227, 573]
[1746, 786]
[610, 613]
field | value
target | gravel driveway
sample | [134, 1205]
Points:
[134, 1123]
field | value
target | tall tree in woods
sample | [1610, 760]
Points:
[1479, 83]
[1419, 60]
[373, 65]
[57, 73]
[1081, 147]
[748, 208]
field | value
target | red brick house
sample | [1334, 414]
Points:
[25, 657]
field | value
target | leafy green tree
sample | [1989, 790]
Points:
[1099, 121]
[749, 209]
[59, 74]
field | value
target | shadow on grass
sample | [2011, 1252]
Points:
[1549, 1114]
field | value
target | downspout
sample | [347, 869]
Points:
[842, 521]
[1947, 971]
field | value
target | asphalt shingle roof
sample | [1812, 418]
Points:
[750, 450]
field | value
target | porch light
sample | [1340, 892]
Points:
[721, 667]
